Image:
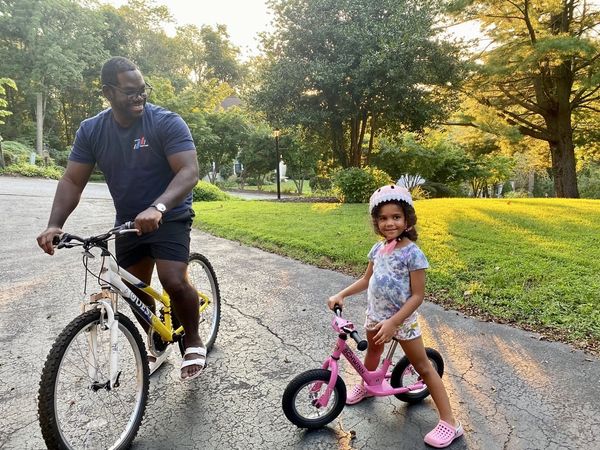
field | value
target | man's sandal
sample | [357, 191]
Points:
[154, 365]
[200, 361]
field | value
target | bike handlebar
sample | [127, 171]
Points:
[361, 344]
[65, 239]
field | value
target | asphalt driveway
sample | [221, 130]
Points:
[510, 389]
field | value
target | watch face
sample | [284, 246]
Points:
[162, 208]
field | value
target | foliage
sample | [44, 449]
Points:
[300, 151]
[348, 69]
[258, 155]
[57, 47]
[435, 158]
[221, 139]
[208, 192]
[317, 183]
[542, 71]
[510, 260]
[354, 185]
[4, 83]
[48, 47]
[16, 152]
[488, 171]
[29, 170]
[589, 181]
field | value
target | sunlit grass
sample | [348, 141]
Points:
[535, 262]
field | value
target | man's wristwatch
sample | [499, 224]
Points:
[160, 207]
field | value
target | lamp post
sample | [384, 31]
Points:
[277, 160]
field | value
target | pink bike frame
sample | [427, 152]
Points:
[375, 381]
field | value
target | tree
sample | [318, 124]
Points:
[435, 159]
[258, 155]
[541, 69]
[3, 113]
[300, 152]
[46, 47]
[5, 82]
[351, 68]
[222, 143]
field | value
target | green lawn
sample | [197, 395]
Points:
[533, 262]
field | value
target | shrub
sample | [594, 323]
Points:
[226, 171]
[418, 193]
[588, 181]
[29, 170]
[16, 152]
[207, 192]
[356, 185]
[519, 193]
[317, 183]
[543, 186]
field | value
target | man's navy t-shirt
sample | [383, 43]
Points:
[134, 160]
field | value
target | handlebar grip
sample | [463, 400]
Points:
[360, 344]
[60, 240]
[337, 310]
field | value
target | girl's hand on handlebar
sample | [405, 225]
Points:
[336, 299]
[46, 238]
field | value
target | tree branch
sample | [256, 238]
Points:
[590, 107]
[524, 103]
[587, 63]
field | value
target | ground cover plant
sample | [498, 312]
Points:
[531, 262]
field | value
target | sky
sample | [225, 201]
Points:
[244, 18]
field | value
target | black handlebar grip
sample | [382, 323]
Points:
[337, 309]
[361, 345]
[56, 240]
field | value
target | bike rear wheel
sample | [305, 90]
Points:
[77, 406]
[404, 375]
[202, 276]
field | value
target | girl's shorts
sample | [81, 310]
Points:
[410, 329]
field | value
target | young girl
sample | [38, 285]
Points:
[395, 279]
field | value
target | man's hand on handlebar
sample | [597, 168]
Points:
[148, 220]
[46, 239]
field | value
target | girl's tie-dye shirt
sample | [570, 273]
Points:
[389, 286]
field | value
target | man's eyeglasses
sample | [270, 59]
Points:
[133, 94]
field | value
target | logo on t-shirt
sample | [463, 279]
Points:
[140, 143]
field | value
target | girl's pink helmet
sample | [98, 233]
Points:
[388, 193]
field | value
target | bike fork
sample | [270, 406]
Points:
[322, 401]
[112, 324]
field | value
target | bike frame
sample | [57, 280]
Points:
[112, 285]
[376, 382]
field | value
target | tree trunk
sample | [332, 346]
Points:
[39, 115]
[1, 155]
[563, 168]
[339, 153]
[371, 139]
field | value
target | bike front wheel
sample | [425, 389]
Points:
[301, 394]
[201, 276]
[404, 375]
[77, 406]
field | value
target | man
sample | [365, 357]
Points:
[149, 161]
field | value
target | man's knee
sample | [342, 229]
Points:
[176, 286]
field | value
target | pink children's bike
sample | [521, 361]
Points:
[316, 397]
